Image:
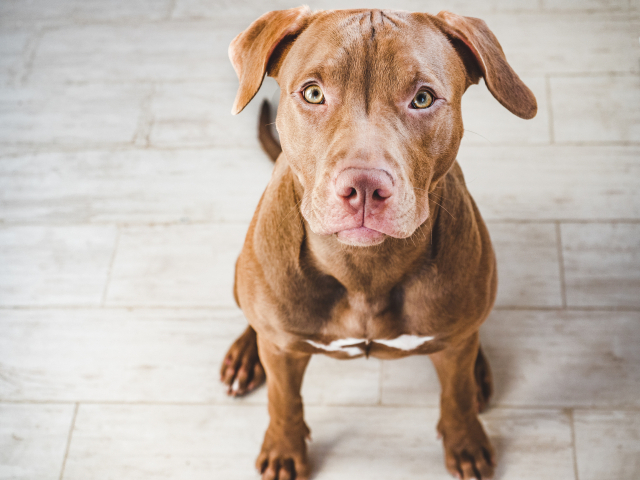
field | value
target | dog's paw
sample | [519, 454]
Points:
[241, 369]
[284, 454]
[467, 451]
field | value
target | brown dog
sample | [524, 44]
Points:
[389, 256]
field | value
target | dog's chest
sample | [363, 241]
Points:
[365, 325]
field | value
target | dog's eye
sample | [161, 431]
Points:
[313, 94]
[423, 99]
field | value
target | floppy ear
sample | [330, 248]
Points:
[251, 50]
[502, 81]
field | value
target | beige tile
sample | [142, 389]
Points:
[567, 359]
[530, 443]
[586, 5]
[133, 185]
[540, 359]
[602, 264]
[607, 444]
[249, 11]
[596, 109]
[528, 267]
[54, 265]
[329, 381]
[67, 11]
[33, 440]
[115, 355]
[549, 183]
[565, 42]
[486, 122]
[168, 442]
[246, 11]
[180, 265]
[152, 52]
[70, 115]
[410, 381]
[199, 114]
[374, 443]
[381, 443]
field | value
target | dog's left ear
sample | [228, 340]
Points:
[251, 51]
[502, 81]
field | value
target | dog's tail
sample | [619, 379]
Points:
[267, 139]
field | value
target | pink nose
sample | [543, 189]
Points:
[360, 187]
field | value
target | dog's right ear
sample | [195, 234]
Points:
[251, 51]
[502, 81]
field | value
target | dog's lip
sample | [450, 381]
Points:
[360, 236]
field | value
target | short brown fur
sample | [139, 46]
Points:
[429, 269]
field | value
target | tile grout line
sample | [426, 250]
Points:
[573, 443]
[66, 450]
[563, 286]
[103, 300]
[552, 139]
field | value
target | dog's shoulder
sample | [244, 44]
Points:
[271, 251]
[279, 228]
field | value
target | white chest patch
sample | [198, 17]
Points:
[347, 345]
[405, 342]
[351, 346]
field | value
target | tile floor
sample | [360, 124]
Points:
[125, 191]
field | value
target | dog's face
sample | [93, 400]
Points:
[388, 121]
[370, 112]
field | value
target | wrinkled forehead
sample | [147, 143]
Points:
[347, 47]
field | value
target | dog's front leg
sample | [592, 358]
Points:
[284, 450]
[468, 452]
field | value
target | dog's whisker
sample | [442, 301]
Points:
[482, 136]
[442, 206]
[293, 209]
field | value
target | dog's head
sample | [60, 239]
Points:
[369, 115]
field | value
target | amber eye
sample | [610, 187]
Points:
[423, 99]
[313, 94]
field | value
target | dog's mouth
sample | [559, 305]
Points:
[360, 237]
